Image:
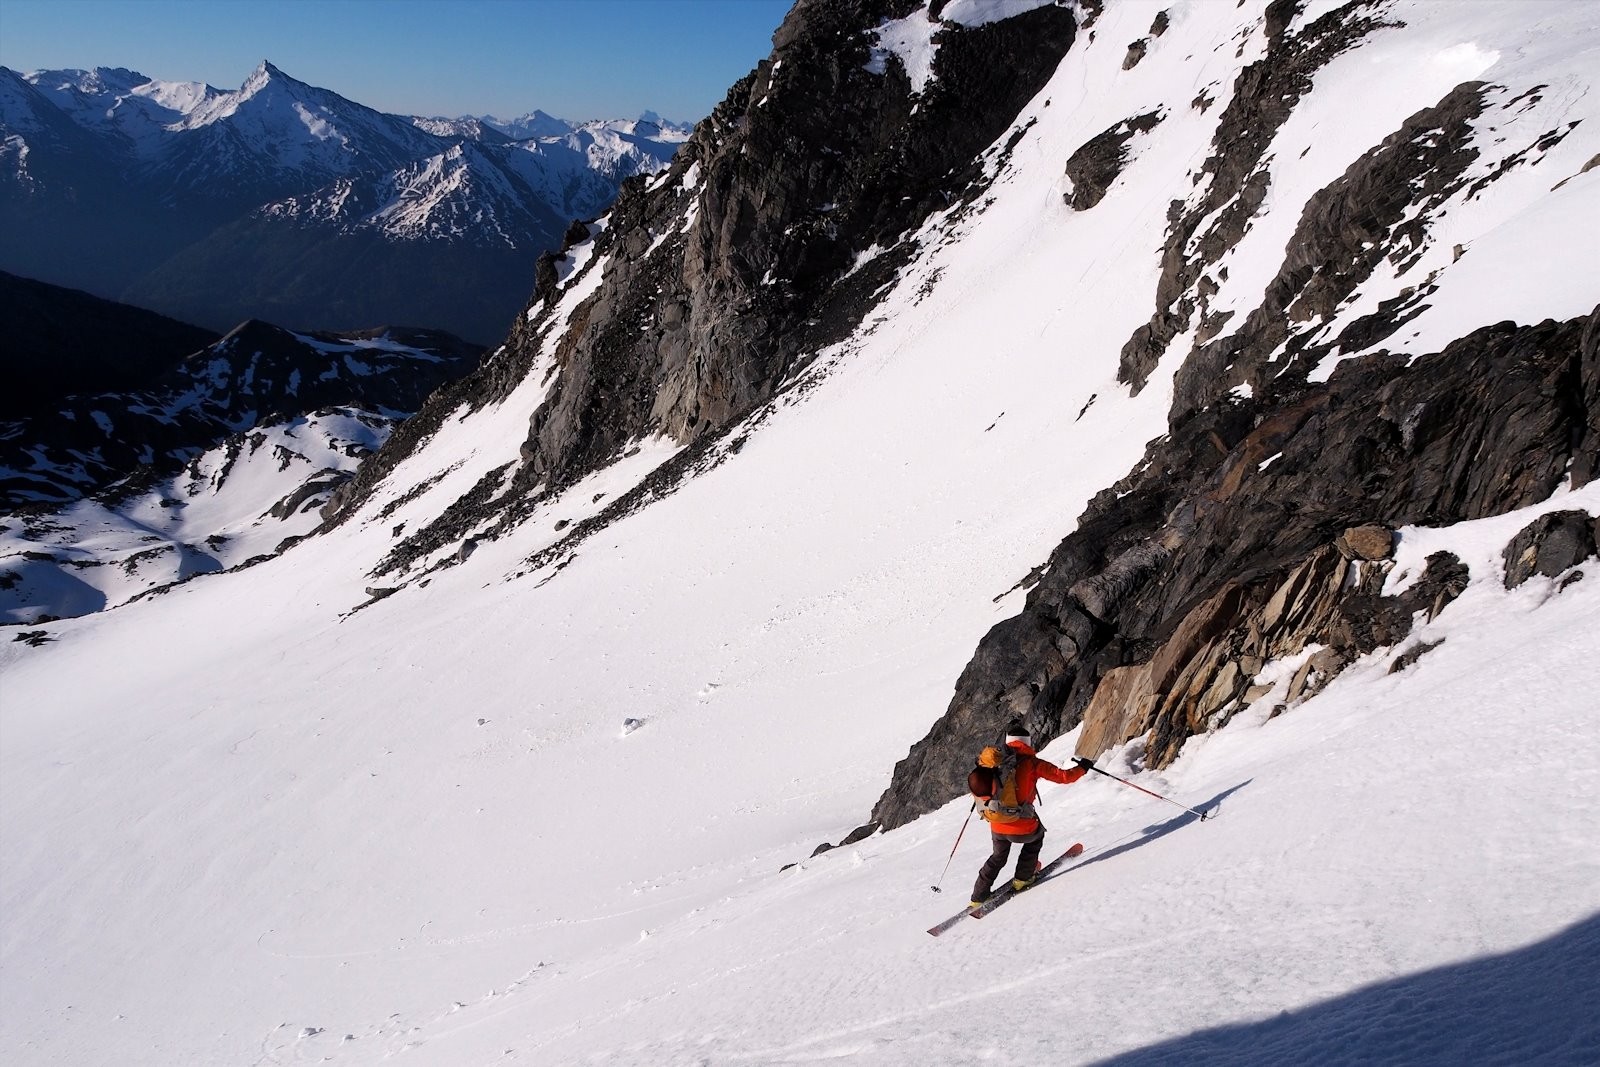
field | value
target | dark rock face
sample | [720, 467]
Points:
[809, 161]
[1586, 458]
[1346, 230]
[1202, 675]
[1264, 95]
[1550, 545]
[257, 372]
[1095, 165]
[62, 341]
[1240, 535]
[723, 277]
[1164, 593]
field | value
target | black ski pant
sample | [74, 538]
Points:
[1027, 859]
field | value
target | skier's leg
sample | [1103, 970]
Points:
[992, 866]
[1028, 858]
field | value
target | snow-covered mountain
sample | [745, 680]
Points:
[1214, 386]
[276, 133]
[258, 371]
[179, 465]
[536, 125]
[217, 206]
[235, 504]
[135, 109]
[466, 128]
[509, 194]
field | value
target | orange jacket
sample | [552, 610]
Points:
[1031, 768]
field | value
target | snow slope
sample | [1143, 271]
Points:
[242, 824]
[231, 505]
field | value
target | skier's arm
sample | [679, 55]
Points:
[1051, 773]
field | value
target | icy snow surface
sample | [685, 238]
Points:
[241, 825]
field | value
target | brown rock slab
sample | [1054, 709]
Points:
[1371, 542]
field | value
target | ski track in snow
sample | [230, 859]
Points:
[240, 826]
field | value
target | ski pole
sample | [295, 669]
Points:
[1089, 765]
[964, 822]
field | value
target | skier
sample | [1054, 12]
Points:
[1006, 780]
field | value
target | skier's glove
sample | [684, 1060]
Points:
[1084, 761]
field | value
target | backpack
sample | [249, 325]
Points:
[1004, 803]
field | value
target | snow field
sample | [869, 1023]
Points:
[1392, 825]
[241, 828]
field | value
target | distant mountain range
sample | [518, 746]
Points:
[149, 394]
[284, 201]
[178, 453]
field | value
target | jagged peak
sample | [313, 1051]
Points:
[118, 76]
[251, 328]
[535, 123]
[92, 82]
[264, 75]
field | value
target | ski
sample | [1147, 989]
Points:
[1004, 893]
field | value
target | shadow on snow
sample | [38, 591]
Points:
[1161, 829]
[1532, 1005]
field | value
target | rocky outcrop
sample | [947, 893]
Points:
[1236, 175]
[1231, 544]
[1370, 542]
[1586, 396]
[808, 162]
[1328, 606]
[1550, 545]
[1101, 159]
[1345, 231]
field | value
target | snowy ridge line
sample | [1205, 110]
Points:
[279, 178]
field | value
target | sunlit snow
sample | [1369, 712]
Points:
[244, 823]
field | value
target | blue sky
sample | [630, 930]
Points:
[575, 59]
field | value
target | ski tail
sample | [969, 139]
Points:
[1003, 894]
